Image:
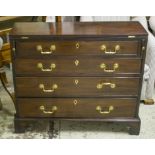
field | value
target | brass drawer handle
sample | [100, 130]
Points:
[53, 110]
[104, 66]
[99, 109]
[104, 49]
[100, 85]
[54, 87]
[40, 49]
[40, 66]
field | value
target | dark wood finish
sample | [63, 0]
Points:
[86, 87]
[29, 49]
[78, 101]
[65, 66]
[130, 122]
[134, 127]
[20, 126]
[67, 108]
[84, 29]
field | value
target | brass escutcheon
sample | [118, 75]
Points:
[76, 81]
[77, 45]
[76, 62]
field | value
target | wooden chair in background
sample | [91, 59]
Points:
[5, 59]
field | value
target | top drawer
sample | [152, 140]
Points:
[40, 48]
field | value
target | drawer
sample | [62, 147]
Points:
[76, 86]
[39, 48]
[77, 107]
[78, 66]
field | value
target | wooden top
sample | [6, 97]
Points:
[79, 29]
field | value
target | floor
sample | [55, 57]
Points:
[70, 129]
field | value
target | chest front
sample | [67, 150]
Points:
[72, 71]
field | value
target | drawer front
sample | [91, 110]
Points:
[38, 48]
[77, 107]
[81, 66]
[76, 87]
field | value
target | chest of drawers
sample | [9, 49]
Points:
[78, 71]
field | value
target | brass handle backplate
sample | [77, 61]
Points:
[54, 87]
[104, 49]
[100, 85]
[52, 66]
[99, 109]
[40, 49]
[104, 67]
[53, 109]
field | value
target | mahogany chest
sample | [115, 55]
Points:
[90, 71]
